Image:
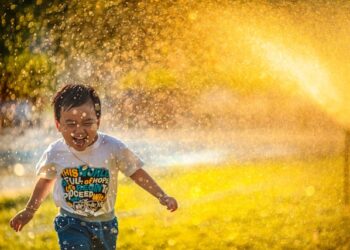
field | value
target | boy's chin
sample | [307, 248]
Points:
[78, 147]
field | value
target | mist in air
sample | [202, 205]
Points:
[191, 84]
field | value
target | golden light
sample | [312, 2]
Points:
[261, 45]
[309, 75]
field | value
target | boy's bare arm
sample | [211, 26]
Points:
[144, 180]
[41, 190]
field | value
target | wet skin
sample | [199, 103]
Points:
[79, 126]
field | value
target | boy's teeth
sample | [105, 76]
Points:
[79, 141]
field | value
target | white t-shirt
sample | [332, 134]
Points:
[86, 182]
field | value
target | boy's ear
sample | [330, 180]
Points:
[58, 125]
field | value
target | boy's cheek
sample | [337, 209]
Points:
[94, 127]
[61, 129]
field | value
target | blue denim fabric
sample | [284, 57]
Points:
[75, 234]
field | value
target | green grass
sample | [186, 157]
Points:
[262, 205]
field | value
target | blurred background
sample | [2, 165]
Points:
[183, 83]
[197, 80]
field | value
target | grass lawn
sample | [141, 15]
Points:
[262, 205]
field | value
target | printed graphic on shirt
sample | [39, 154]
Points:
[85, 188]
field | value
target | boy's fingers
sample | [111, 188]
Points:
[13, 224]
[173, 203]
[16, 226]
[172, 206]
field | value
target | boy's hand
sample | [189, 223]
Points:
[21, 219]
[168, 201]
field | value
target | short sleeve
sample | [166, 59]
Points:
[46, 168]
[128, 162]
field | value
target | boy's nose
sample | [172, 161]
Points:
[78, 130]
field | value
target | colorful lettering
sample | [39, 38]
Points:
[85, 188]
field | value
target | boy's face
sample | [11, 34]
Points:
[79, 126]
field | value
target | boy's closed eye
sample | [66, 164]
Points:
[87, 124]
[72, 124]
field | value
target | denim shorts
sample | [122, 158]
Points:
[74, 233]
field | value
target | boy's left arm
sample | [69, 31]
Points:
[144, 180]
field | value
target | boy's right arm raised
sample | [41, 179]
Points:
[41, 190]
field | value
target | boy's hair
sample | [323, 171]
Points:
[74, 95]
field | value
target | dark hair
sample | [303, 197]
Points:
[74, 95]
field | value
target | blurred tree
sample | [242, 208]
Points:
[26, 71]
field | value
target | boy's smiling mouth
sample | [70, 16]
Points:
[80, 141]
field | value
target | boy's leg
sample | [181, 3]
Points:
[105, 235]
[72, 233]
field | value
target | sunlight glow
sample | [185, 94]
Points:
[308, 74]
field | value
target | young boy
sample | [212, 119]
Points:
[83, 167]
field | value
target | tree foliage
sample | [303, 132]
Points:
[26, 68]
[45, 43]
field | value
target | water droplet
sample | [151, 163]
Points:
[31, 235]
[18, 169]
[310, 191]
[171, 242]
